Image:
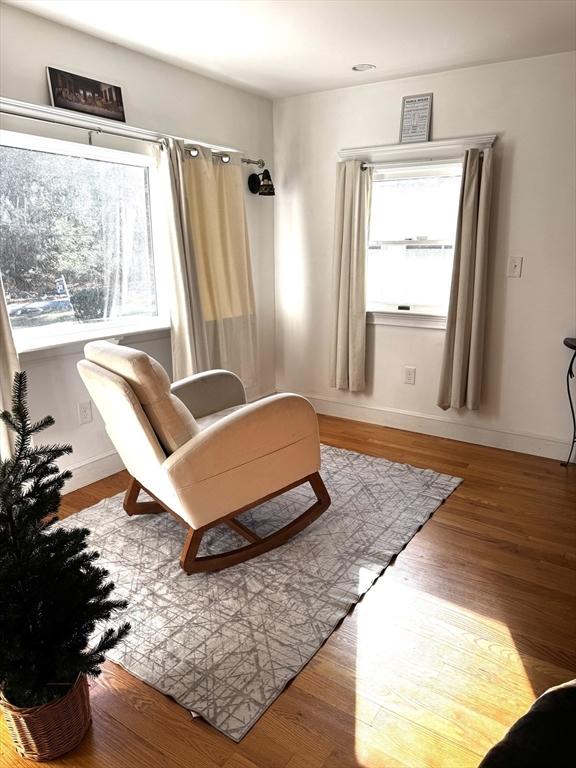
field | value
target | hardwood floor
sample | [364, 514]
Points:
[476, 617]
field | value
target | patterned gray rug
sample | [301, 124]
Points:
[224, 645]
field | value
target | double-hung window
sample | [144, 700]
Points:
[411, 240]
[77, 241]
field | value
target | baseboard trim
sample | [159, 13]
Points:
[99, 467]
[93, 469]
[521, 442]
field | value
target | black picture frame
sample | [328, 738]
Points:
[85, 94]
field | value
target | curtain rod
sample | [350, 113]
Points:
[418, 151]
[409, 163]
[92, 124]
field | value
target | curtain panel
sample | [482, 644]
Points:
[352, 217]
[461, 372]
[214, 322]
[9, 364]
[189, 344]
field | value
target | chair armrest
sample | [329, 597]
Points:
[259, 429]
[209, 392]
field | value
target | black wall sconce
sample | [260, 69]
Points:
[261, 183]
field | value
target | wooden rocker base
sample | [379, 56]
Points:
[189, 559]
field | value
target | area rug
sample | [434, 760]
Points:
[224, 645]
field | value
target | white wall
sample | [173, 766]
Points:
[159, 97]
[530, 104]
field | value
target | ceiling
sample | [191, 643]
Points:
[284, 47]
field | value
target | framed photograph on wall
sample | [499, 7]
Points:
[416, 118]
[83, 94]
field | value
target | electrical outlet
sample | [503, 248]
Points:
[85, 412]
[409, 374]
[515, 266]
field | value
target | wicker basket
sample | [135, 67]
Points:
[50, 730]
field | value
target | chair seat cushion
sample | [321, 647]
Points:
[212, 418]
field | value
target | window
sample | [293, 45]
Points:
[76, 244]
[411, 240]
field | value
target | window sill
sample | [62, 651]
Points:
[73, 343]
[406, 319]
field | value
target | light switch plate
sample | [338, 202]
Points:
[85, 412]
[515, 266]
[409, 374]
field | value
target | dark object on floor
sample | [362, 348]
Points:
[543, 737]
[571, 344]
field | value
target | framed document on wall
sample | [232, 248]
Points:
[416, 118]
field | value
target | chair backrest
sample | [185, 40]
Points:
[120, 379]
[126, 424]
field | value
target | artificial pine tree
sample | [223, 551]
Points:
[52, 595]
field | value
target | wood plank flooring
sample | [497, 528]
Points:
[476, 617]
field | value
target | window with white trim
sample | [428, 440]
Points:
[76, 241]
[411, 241]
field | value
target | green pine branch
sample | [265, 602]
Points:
[54, 598]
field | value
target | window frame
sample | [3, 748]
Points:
[418, 315]
[47, 337]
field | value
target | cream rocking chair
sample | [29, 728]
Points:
[200, 451]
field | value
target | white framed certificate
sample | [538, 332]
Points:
[416, 118]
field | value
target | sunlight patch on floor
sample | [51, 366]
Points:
[448, 681]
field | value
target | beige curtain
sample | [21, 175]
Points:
[189, 343]
[352, 215]
[8, 366]
[461, 373]
[214, 309]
